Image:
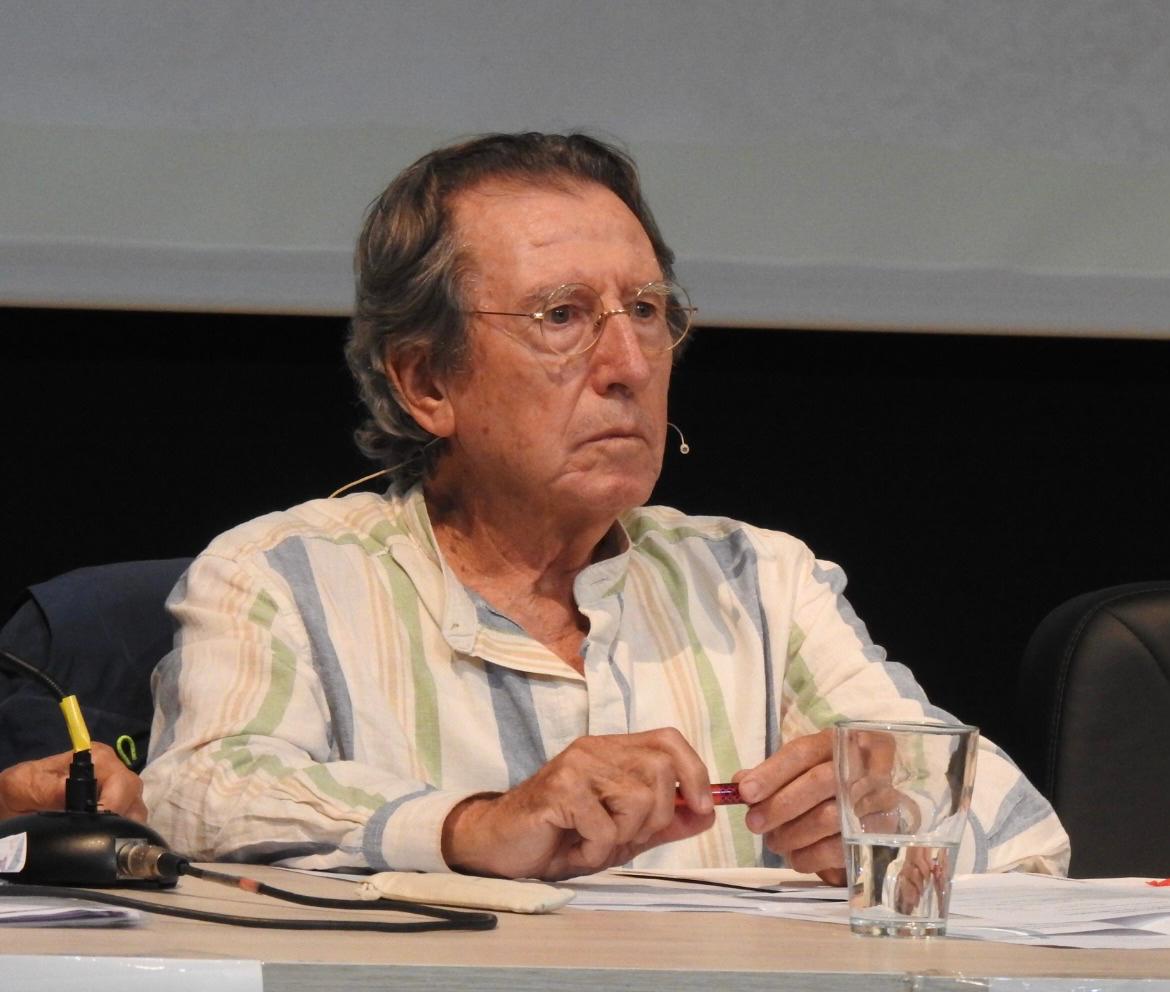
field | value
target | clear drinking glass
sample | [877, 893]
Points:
[903, 790]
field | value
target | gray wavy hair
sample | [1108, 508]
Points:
[408, 270]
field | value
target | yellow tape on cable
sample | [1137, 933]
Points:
[78, 731]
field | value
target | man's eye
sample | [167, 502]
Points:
[562, 315]
[644, 309]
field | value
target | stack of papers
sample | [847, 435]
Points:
[1014, 908]
[23, 911]
[1065, 912]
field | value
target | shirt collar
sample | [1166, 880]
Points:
[455, 609]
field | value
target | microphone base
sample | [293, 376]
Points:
[63, 848]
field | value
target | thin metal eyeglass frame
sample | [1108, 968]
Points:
[600, 318]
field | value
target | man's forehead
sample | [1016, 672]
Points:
[505, 186]
[500, 216]
[518, 199]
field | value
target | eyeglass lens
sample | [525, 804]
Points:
[574, 316]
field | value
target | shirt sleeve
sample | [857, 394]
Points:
[245, 762]
[835, 672]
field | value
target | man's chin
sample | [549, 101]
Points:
[611, 494]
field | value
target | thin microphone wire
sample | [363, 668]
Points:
[384, 471]
[357, 482]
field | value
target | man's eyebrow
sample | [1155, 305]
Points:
[533, 299]
[537, 296]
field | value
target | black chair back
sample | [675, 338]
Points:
[1094, 718]
[98, 632]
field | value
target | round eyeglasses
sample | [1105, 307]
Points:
[572, 317]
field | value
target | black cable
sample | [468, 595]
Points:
[10, 661]
[449, 919]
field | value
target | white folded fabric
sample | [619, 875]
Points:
[466, 891]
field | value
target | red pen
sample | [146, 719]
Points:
[722, 794]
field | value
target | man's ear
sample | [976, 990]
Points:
[422, 392]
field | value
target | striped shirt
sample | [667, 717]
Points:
[335, 691]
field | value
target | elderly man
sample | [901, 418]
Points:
[507, 664]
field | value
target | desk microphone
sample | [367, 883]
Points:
[80, 845]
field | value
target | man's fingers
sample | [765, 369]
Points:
[800, 796]
[832, 876]
[683, 767]
[684, 823]
[635, 779]
[794, 805]
[34, 785]
[598, 834]
[119, 789]
[793, 760]
[125, 804]
[122, 793]
[827, 853]
[819, 823]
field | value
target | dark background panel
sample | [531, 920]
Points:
[144, 435]
[967, 484]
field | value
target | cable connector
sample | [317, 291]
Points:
[145, 862]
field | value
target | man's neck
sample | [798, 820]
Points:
[522, 563]
[516, 540]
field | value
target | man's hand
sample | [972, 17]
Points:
[792, 798]
[599, 803]
[32, 786]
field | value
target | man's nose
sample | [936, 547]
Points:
[618, 355]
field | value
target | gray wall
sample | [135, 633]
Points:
[912, 164]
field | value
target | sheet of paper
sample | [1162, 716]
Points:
[22, 911]
[1012, 908]
[1064, 912]
[1020, 900]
